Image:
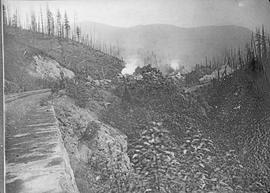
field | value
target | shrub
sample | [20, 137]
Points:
[77, 89]
[153, 158]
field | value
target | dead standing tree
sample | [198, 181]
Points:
[66, 26]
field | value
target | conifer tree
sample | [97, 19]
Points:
[62, 31]
[49, 21]
[78, 33]
[59, 24]
[66, 25]
[240, 60]
[258, 44]
[4, 15]
[52, 25]
[15, 19]
[41, 21]
[264, 44]
[33, 22]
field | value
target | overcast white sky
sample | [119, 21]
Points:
[183, 13]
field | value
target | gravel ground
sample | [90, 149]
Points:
[15, 112]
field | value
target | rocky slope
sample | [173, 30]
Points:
[92, 145]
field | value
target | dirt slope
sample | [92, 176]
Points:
[22, 47]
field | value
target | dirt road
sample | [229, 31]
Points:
[36, 160]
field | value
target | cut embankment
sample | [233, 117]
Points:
[94, 148]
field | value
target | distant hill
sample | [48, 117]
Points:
[185, 46]
[29, 57]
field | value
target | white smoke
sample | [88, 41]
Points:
[174, 64]
[179, 66]
[131, 65]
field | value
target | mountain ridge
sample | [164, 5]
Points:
[188, 46]
[161, 24]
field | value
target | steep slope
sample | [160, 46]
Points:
[186, 45]
[94, 148]
[240, 113]
[240, 99]
[29, 56]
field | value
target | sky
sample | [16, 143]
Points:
[183, 13]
